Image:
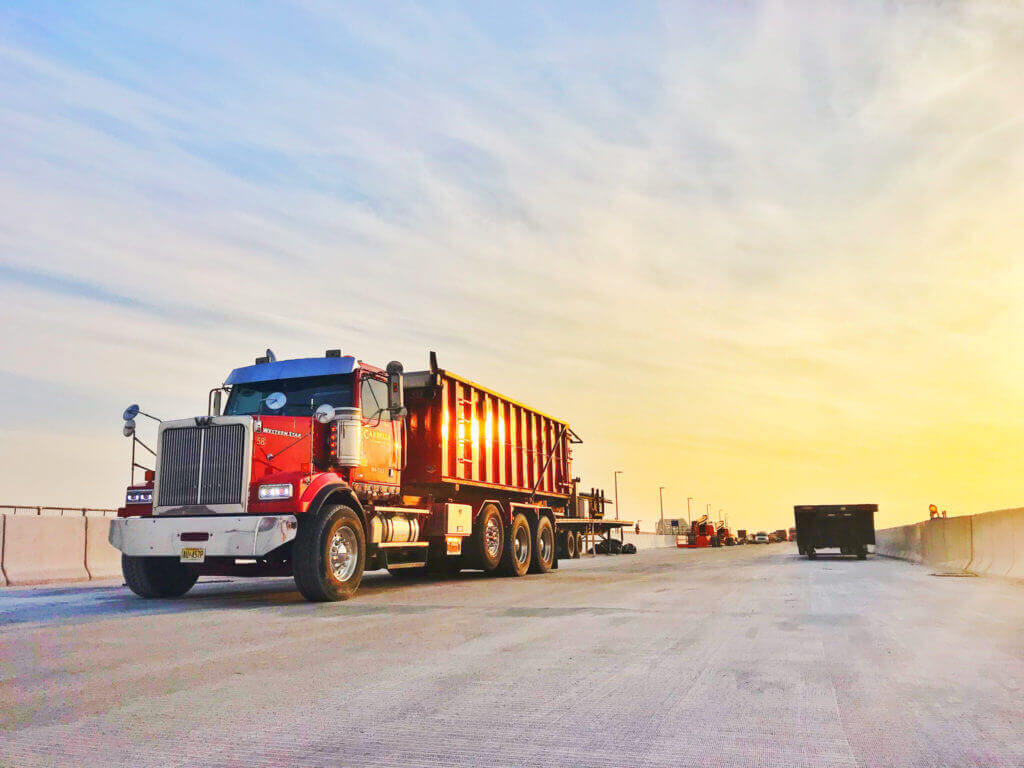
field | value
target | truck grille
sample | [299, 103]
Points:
[201, 465]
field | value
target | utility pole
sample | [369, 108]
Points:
[689, 519]
[661, 505]
[622, 534]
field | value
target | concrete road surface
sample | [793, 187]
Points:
[748, 656]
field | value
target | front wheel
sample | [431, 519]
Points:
[329, 554]
[151, 577]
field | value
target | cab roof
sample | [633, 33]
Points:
[293, 369]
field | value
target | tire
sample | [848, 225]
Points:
[628, 549]
[579, 544]
[154, 577]
[516, 555]
[570, 545]
[543, 557]
[862, 554]
[329, 554]
[811, 554]
[488, 539]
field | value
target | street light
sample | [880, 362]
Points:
[661, 505]
[617, 473]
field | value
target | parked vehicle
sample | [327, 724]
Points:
[321, 468]
[850, 528]
[702, 533]
[761, 537]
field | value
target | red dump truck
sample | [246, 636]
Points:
[321, 468]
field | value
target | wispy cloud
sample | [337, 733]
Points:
[759, 254]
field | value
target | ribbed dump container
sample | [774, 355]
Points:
[461, 432]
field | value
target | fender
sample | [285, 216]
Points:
[506, 515]
[327, 487]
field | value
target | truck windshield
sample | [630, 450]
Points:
[289, 397]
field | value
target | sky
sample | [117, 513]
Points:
[758, 253]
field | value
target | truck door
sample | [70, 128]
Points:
[382, 436]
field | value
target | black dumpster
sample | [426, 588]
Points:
[846, 527]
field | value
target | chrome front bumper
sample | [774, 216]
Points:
[228, 536]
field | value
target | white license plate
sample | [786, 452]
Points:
[193, 554]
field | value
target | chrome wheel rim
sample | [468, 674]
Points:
[546, 544]
[521, 545]
[343, 553]
[492, 537]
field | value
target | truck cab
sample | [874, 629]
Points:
[229, 489]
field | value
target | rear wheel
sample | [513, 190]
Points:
[543, 546]
[579, 544]
[329, 554]
[570, 545]
[151, 577]
[811, 554]
[516, 558]
[488, 538]
[862, 554]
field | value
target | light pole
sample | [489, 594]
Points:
[622, 534]
[661, 506]
[689, 519]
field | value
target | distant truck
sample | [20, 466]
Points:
[846, 527]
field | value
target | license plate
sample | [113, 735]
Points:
[193, 554]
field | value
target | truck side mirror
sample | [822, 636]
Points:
[216, 403]
[396, 392]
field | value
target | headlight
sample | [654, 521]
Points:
[275, 492]
[139, 496]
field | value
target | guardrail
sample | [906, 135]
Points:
[40, 511]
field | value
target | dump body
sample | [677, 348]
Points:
[462, 434]
[850, 528]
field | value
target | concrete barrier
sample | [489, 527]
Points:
[946, 543]
[903, 542]
[997, 542]
[991, 543]
[648, 540]
[102, 561]
[38, 550]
